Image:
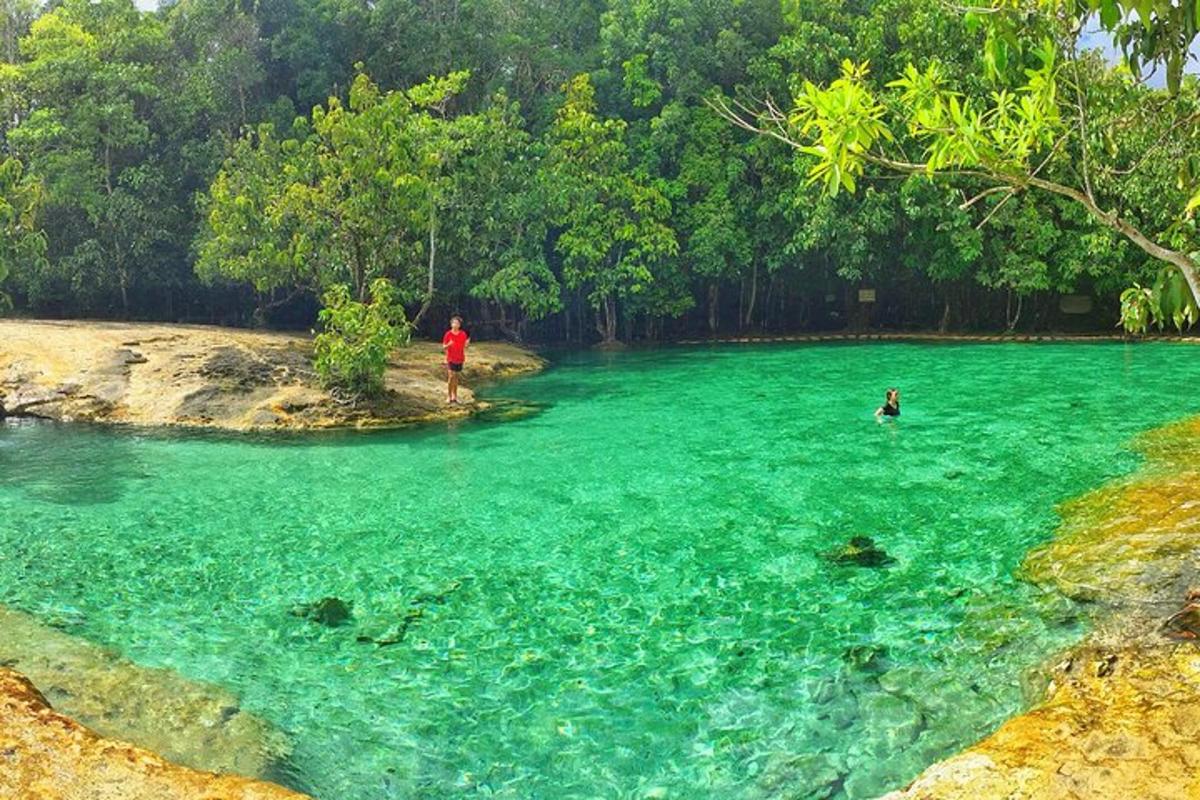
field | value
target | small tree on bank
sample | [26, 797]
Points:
[351, 352]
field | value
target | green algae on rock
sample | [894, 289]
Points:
[1134, 539]
[1121, 718]
[45, 755]
[860, 551]
[194, 724]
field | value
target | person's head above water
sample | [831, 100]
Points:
[892, 396]
[455, 322]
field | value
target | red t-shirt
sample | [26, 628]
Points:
[456, 353]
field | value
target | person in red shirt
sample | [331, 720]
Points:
[455, 344]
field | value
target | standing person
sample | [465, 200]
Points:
[891, 405]
[454, 343]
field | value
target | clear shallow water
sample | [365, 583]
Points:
[620, 597]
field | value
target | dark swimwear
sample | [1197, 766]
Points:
[890, 410]
[457, 367]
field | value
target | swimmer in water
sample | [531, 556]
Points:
[890, 407]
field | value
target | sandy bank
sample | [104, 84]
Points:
[1121, 716]
[197, 376]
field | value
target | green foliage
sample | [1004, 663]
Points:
[1149, 32]
[614, 231]
[22, 242]
[351, 352]
[618, 199]
[1138, 309]
[375, 188]
[845, 121]
[1168, 301]
[1004, 135]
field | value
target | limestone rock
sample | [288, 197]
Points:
[213, 377]
[191, 723]
[45, 755]
[1131, 733]
[860, 551]
[1122, 715]
[328, 611]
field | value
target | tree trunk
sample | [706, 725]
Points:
[944, 325]
[606, 324]
[749, 319]
[432, 255]
[123, 280]
[712, 307]
[767, 303]
[1011, 319]
[741, 314]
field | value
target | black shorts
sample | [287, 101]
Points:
[454, 366]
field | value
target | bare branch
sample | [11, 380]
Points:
[1162, 140]
[1011, 191]
[963, 206]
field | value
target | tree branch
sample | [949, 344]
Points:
[776, 128]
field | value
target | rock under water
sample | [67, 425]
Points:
[45, 755]
[191, 723]
[328, 611]
[1121, 715]
[860, 551]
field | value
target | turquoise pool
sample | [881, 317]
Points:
[621, 596]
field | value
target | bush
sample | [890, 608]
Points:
[351, 353]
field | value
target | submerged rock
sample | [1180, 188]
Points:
[866, 658]
[328, 611]
[45, 755]
[191, 723]
[1121, 716]
[860, 551]
[508, 410]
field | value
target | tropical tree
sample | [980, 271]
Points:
[614, 230]
[93, 79]
[1039, 124]
[384, 186]
[22, 242]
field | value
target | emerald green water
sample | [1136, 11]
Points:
[622, 595]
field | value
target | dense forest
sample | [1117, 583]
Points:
[556, 171]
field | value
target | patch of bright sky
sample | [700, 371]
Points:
[1093, 38]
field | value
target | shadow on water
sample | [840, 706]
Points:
[34, 460]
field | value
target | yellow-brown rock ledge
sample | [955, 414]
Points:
[47, 756]
[224, 378]
[1121, 718]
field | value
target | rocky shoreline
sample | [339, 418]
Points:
[1119, 718]
[220, 378]
[1121, 714]
[78, 722]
